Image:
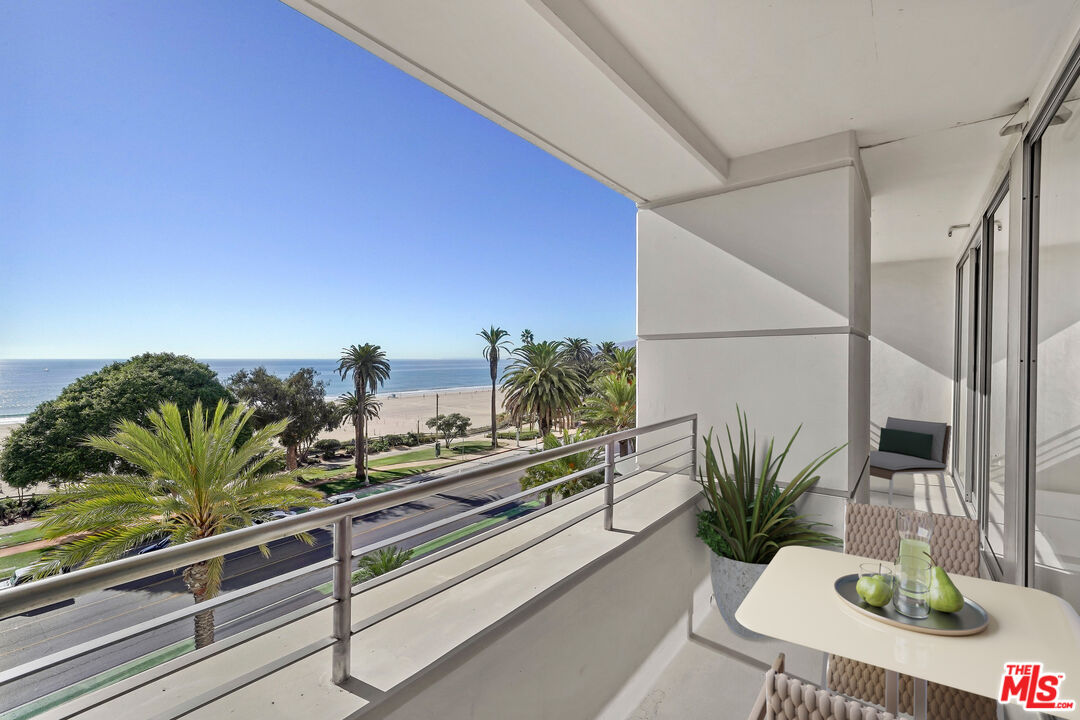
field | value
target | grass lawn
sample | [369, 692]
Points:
[11, 563]
[20, 537]
[378, 476]
[428, 453]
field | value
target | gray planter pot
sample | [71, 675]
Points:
[731, 581]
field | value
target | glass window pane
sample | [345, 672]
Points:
[998, 322]
[1057, 472]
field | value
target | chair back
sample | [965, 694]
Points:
[870, 531]
[789, 698]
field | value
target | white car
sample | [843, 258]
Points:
[342, 498]
[18, 577]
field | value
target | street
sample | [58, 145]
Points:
[26, 638]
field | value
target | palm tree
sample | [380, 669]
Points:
[622, 362]
[606, 349]
[496, 342]
[555, 469]
[351, 408]
[380, 562]
[526, 337]
[541, 381]
[613, 407]
[370, 369]
[199, 482]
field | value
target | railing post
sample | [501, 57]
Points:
[693, 448]
[609, 483]
[341, 669]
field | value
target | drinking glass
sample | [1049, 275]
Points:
[913, 563]
[883, 571]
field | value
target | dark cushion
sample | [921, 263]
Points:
[921, 426]
[905, 442]
[896, 463]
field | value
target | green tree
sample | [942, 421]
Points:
[299, 398]
[606, 349]
[370, 369]
[527, 337]
[48, 446]
[622, 362]
[612, 407]
[495, 342]
[580, 353]
[380, 562]
[201, 480]
[350, 409]
[541, 381]
[450, 426]
[555, 469]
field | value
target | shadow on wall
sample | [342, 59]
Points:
[912, 309]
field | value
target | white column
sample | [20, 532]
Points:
[760, 296]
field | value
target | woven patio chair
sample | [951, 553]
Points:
[786, 697]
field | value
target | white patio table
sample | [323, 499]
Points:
[795, 601]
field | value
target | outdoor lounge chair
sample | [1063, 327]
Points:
[870, 531]
[786, 697]
[884, 464]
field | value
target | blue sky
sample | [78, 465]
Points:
[231, 179]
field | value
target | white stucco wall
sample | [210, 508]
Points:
[760, 296]
[911, 345]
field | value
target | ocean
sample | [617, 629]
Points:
[24, 384]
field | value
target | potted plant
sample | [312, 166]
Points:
[749, 515]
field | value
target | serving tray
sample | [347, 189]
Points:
[969, 620]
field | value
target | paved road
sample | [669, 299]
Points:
[25, 638]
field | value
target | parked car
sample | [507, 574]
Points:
[341, 498]
[158, 545]
[20, 576]
[272, 515]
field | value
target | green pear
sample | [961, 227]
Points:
[944, 596]
[874, 590]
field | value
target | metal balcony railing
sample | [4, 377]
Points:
[42, 593]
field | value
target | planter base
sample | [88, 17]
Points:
[731, 581]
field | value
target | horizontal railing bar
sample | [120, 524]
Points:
[476, 511]
[655, 465]
[239, 683]
[457, 547]
[88, 702]
[105, 641]
[471, 572]
[654, 448]
[79, 582]
[646, 486]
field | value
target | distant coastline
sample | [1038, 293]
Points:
[25, 384]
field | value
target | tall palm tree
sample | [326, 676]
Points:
[527, 337]
[612, 407]
[370, 369]
[580, 352]
[199, 481]
[496, 342]
[351, 408]
[541, 381]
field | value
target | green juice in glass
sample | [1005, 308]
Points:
[913, 564]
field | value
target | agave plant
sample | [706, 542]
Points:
[380, 562]
[750, 515]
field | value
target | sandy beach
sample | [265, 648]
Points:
[401, 411]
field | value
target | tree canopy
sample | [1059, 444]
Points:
[49, 445]
[299, 398]
[450, 426]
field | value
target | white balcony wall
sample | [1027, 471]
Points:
[911, 347]
[760, 296]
